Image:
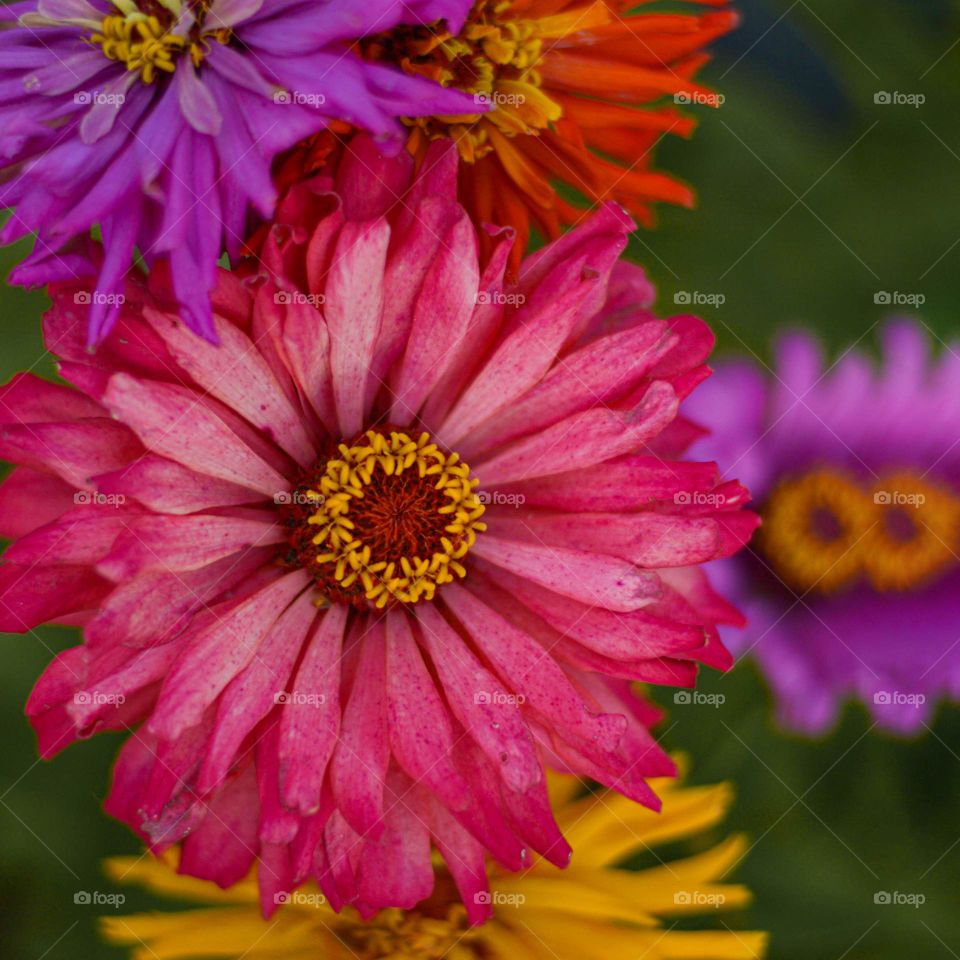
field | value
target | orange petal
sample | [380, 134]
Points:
[519, 168]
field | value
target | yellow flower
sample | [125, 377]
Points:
[593, 910]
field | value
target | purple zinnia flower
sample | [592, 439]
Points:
[852, 584]
[157, 120]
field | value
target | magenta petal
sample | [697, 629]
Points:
[532, 675]
[359, 766]
[234, 372]
[353, 308]
[311, 715]
[420, 730]
[589, 577]
[487, 710]
[164, 415]
[29, 500]
[255, 691]
[168, 487]
[33, 595]
[225, 844]
[217, 654]
[170, 543]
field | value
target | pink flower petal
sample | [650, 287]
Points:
[80, 536]
[353, 307]
[224, 846]
[30, 596]
[519, 362]
[253, 693]
[307, 344]
[217, 654]
[467, 355]
[647, 539]
[582, 440]
[485, 708]
[169, 487]
[412, 252]
[631, 635]
[629, 483]
[359, 766]
[311, 715]
[173, 422]
[184, 543]
[156, 607]
[396, 867]
[440, 319]
[420, 731]
[29, 500]
[595, 374]
[235, 373]
[591, 578]
[75, 451]
[531, 672]
[29, 399]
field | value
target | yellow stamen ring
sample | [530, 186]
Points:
[345, 484]
[494, 58]
[146, 44]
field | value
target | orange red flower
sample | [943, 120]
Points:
[577, 95]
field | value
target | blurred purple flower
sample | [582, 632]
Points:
[157, 120]
[852, 585]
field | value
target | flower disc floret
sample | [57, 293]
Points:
[395, 518]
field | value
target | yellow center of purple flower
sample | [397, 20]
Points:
[494, 57]
[824, 530]
[388, 519]
[150, 36]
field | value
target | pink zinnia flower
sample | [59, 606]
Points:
[354, 577]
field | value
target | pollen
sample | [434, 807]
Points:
[494, 57]
[825, 530]
[386, 519]
[150, 36]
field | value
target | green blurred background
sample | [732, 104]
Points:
[814, 198]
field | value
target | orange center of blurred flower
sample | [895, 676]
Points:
[494, 57]
[824, 530]
[385, 519]
[436, 929]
